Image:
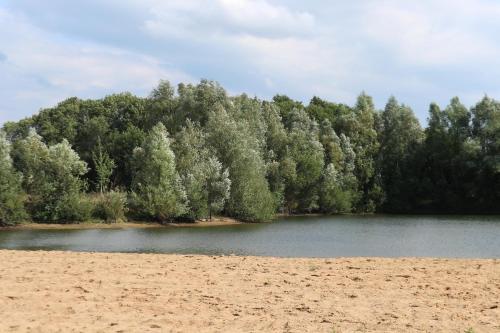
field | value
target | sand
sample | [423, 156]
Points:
[216, 221]
[99, 292]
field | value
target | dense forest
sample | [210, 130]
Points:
[194, 151]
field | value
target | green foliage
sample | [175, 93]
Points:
[206, 183]
[247, 158]
[308, 155]
[250, 197]
[11, 195]
[197, 101]
[366, 148]
[104, 167]
[110, 206]
[486, 134]
[161, 105]
[287, 107]
[59, 123]
[338, 188]
[400, 140]
[122, 145]
[191, 156]
[333, 198]
[52, 179]
[157, 189]
[217, 185]
[358, 124]
[75, 207]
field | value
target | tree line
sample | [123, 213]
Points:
[193, 151]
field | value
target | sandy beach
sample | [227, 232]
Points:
[100, 292]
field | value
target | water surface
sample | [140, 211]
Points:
[338, 236]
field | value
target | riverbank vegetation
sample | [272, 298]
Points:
[194, 151]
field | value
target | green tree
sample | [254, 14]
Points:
[250, 197]
[157, 189]
[11, 194]
[275, 151]
[338, 187]
[308, 156]
[104, 167]
[121, 146]
[366, 148]
[333, 198]
[401, 137]
[195, 102]
[217, 185]
[52, 177]
[207, 184]
[486, 132]
[331, 144]
[287, 107]
[161, 105]
[279, 154]
[191, 155]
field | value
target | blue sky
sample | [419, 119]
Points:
[419, 51]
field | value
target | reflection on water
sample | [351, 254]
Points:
[339, 236]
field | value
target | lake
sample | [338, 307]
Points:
[313, 236]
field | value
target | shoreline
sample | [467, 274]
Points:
[216, 221]
[82, 291]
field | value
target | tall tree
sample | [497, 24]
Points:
[278, 154]
[366, 148]
[308, 156]
[217, 185]
[486, 130]
[157, 189]
[52, 177]
[207, 184]
[250, 197]
[191, 155]
[11, 194]
[161, 105]
[104, 167]
[401, 137]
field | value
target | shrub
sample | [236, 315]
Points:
[76, 208]
[111, 206]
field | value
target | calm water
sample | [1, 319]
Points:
[386, 236]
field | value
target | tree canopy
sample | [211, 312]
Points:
[194, 150]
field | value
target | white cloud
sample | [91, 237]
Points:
[262, 16]
[440, 33]
[201, 19]
[285, 47]
[418, 50]
[311, 66]
[49, 68]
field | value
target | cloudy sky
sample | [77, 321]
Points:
[419, 51]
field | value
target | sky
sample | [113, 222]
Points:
[419, 51]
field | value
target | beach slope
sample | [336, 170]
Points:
[101, 292]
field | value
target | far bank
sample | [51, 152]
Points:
[95, 224]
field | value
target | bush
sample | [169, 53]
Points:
[111, 206]
[11, 205]
[76, 208]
